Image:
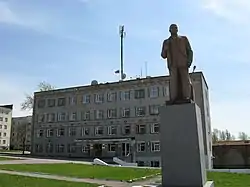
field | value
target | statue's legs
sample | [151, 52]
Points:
[173, 83]
[185, 83]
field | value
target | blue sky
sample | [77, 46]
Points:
[71, 42]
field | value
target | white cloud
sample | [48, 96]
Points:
[237, 11]
[7, 16]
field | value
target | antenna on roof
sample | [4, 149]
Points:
[146, 68]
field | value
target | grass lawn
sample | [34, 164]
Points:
[7, 158]
[84, 171]
[21, 181]
[229, 179]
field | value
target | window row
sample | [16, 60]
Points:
[3, 134]
[3, 142]
[72, 148]
[3, 126]
[152, 92]
[99, 130]
[3, 119]
[99, 114]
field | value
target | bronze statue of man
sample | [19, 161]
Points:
[178, 52]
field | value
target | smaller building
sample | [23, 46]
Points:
[5, 126]
[232, 154]
[21, 133]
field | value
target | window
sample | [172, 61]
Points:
[155, 163]
[4, 134]
[49, 132]
[73, 116]
[155, 146]
[39, 133]
[112, 130]
[4, 141]
[86, 148]
[72, 131]
[85, 131]
[99, 114]
[86, 99]
[127, 129]
[73, 100]
[140, 129]
[5, 126]
[141, 146]
[125, 112]
[41, 103]
[60, 148]
[85, 115]
[61, 101]
[38, 148]
[111, 147]
[62, 116]
[140, 94]
[112, 113]
[153, 92]
[99, 98]
[140, 111]
[71, 148]
[112, 96]
[99, 130]
[141, 163]
[6, 119]
[51, 117]
[60, 132]
[125, 95]
[154, 109]
[1, 118]
[49, 148]
[51, 102]
[155, 128]
[41, 118]
[1, 126]
[0, 134]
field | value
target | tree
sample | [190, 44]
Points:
[215, 135]
[29, 99]
[243, 136]
[21, 136]
[223, 135]
[229, 136]
[220, 135]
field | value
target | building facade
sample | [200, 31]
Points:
[21, 133]
[108, 120]
[5, 126]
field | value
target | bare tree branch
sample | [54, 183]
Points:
[29, 99]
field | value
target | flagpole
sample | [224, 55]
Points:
[122, 34]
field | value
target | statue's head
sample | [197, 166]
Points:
[173, 29]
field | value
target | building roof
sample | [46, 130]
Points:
[232, 142]
[118, 83]
[7, 106]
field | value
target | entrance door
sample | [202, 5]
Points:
[97, 150]
[125, 149]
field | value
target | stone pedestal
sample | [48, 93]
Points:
[182, 149]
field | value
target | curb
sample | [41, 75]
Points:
[143, 178]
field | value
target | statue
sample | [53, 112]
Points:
[178, 52]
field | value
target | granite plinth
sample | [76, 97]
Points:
[182, 149]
